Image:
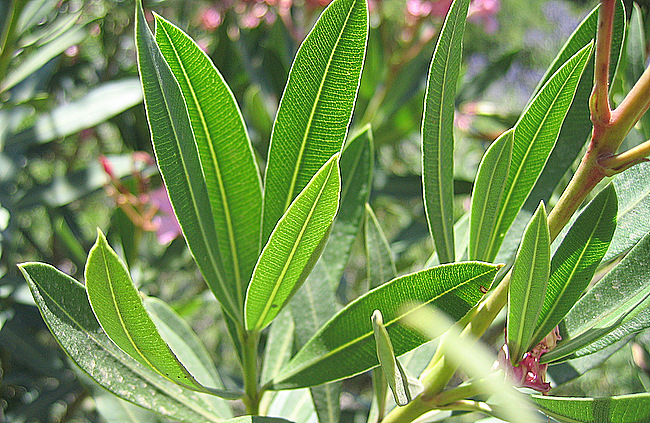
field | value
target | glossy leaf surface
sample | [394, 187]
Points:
[316, 106]
[64, 305]
[180, 165]
[618, 305]
[225, 152]
[633, 408]
[294, 247]
[576, 259]
[528, 284]
[345, 345]
[437, 131]
[534, 137]
[487, 195]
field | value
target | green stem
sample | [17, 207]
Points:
[252, 392]
[9, 36]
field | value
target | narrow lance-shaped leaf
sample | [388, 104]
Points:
[121, 313]
[534, 137]
[619, 409]
[179, 163]
[576, 259]
[294, 247]
[316, 106]
[391, 368]
[225, 152]
[438, 131]
[63, 302]
[345, 345]
[487, 194]
[528, 284]
[380, 266]
[618, 305]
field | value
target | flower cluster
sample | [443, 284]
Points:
[481, 12]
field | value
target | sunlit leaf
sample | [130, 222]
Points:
[294, 247]
[227, 159]
[63, 302]
[121, 313]
[390, 366]
[316, 106]
[179, 162]
[345, 345]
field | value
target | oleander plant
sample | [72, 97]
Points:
[552, 254]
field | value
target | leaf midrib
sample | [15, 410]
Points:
[217, 170]
[303, 144]
[368, 334]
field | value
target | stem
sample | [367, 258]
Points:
[622, 161]
[635, 105]
[599, 101]
[252, 392]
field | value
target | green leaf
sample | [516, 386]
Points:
[438, 131]
[225, 152]
[345, 345]
[296, 405]
[534, 137]
[618, 305]
[63, 302]
[633, 219]
[380, 266]
[487, 194]
[294, 247]
[634, 408]
[391, 368]
[316, 106]
[121, 313]
[637, 57]
[528, 284]
[180, 165]
[576, 260]
[40, 56]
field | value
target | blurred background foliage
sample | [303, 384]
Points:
[75, 154]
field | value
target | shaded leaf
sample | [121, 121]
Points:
[345, 345]
[279, 346]
[576, 260]
[180, 166]
[294, 247]
[225, 152]
[316, 106]
[437, 131]
[63, 302]
[633, 408]
[528, 285]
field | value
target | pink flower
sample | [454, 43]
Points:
[167, 227]
[484, 12]
[210, 18]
